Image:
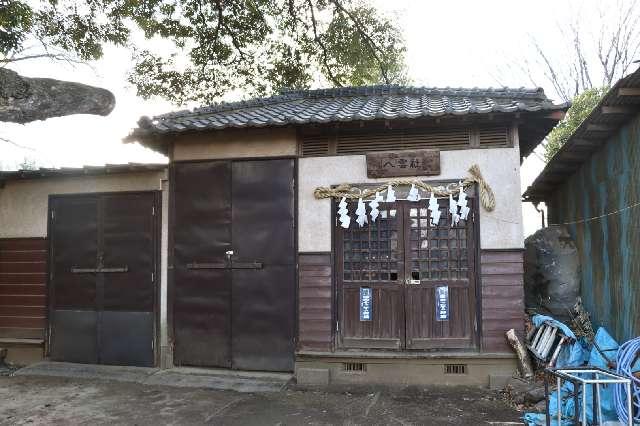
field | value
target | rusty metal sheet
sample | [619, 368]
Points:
[598, 201]
[202, 234]
[263, 323]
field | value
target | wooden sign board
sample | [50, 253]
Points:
[422, 162]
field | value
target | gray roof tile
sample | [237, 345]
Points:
[347, 104]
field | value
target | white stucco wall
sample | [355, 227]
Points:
[500, 167]
[24, 203]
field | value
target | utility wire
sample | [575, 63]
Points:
[597, 217]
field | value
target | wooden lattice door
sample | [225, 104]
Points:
[439, 261]
[372, 257]
[403, 261]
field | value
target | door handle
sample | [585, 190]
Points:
[229, 254]
[99, 270]
[229, 265]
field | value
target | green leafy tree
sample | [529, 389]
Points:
[581, 107]
[200, 50]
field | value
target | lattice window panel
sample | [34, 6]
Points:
[371, 253]
[437, 253]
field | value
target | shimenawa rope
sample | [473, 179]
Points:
[487, 197]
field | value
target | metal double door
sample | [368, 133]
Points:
[102, 278]
[234, 264]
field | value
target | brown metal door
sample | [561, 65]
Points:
[372, 257]
[102, 250]
[202, 278]
[73, 312]
[126, 287]
[263, 264]
[439, 257]
[234, 264]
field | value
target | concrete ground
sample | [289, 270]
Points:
[32, 399]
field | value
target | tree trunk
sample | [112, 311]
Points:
[24, 99]
[524, 364]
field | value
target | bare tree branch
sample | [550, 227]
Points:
[596, 57]
[17, 145]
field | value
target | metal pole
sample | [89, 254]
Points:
[559, 401]
[576, 404]
[599, 406]
[584, 404]
[594, 400]
[629, 407]
[547, 397]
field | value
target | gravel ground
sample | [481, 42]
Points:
[65, 401]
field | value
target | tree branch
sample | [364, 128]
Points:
[318, 40]
[372, 44]
[17, 145]
[24, 99]
[221, 21]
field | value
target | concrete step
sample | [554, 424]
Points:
[221, 379]
[239, 381]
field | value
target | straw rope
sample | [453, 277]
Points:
[487, 197]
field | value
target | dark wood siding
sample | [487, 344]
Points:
[314, 307]
[23, 283]
[502, 297]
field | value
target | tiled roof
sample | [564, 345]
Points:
[107, 169]
[619, 105]
[299, 107]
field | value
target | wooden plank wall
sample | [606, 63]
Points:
[501, 273]
[314, 305]
[23, 284]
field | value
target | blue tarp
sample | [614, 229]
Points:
[577, 355]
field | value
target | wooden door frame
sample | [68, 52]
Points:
[157, 238]
[336, 280]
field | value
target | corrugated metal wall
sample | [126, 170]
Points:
[609, 247]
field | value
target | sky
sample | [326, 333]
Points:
[454, 43]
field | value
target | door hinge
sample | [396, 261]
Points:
[337, 326]
[53, 214]
[475, 325]
[153, 210]
[153, 276]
